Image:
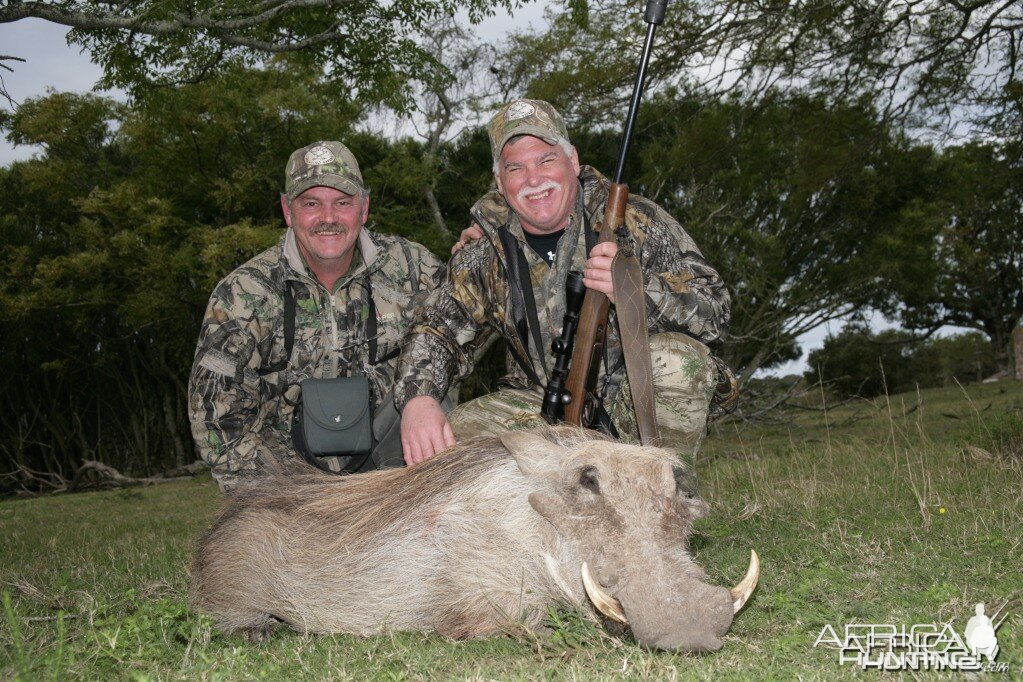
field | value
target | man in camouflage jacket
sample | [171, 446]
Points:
[242, 388]
[543, 192]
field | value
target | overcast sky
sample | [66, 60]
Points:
[49, 63]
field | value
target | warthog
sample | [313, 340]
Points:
[487, 534]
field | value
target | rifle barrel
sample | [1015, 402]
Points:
[637, 95]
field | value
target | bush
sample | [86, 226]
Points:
[862, 363]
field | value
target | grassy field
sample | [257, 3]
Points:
[902, 511]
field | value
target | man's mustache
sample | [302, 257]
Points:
[526, 191]
[329, 227]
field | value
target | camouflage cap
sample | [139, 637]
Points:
[322, 164]
[526, 117]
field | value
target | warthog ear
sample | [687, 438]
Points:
[550, 507]
[536, 456]
[685, 491]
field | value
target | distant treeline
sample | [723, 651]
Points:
[859, 362]
[113, 236]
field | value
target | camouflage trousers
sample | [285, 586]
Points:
[685, 376]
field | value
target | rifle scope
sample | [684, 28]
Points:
[556, 397]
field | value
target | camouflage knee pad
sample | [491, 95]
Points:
[684, 379]
[504, 410]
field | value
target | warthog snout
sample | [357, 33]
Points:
[692, 618]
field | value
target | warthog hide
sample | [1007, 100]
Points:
[485, 535]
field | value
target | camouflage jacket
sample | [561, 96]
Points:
[236, 403]
[684, 293]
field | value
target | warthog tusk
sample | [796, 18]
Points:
[604, 602]
[741, 592]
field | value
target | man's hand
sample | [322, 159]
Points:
[598, 269]
[469, 234]
[425, 430]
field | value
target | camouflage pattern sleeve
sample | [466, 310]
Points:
[438, 348]
[226, 396]
[431, 269]
[684, 292]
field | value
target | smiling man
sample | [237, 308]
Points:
[533, 232]
[330, 300]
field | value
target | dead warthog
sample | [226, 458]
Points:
[488, 534]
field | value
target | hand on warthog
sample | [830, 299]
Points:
[425, 430]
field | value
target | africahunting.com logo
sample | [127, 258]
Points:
[924, 646]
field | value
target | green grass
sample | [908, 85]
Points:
[846, 514]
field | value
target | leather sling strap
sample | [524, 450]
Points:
[630, 309]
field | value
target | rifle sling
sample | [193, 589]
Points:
[630, 294]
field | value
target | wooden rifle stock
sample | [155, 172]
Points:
[581, 383]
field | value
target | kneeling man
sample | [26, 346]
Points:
[543, 205]
[330, 300]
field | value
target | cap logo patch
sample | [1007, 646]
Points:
[318, 156]
[520, 110]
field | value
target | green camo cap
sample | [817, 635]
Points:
[322, 164]
[526, 117]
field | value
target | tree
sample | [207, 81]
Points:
[449, 107]
[969, 271]
[369, 47]
[858, 362]
[917, 59]
[791, 200]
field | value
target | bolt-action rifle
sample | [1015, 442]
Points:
[579, 395]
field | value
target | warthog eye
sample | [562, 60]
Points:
[588, 479]
[684, 482]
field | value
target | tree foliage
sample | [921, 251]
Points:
[368, 47]
[791, 201]
[918, 60]
[967, 246]
[858, 362]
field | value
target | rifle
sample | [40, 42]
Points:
[582, 401]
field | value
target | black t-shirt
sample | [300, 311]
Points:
[546, 245]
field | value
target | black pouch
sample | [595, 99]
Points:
[334, 418]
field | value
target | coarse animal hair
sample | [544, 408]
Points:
[279, 540]
[480, 539]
